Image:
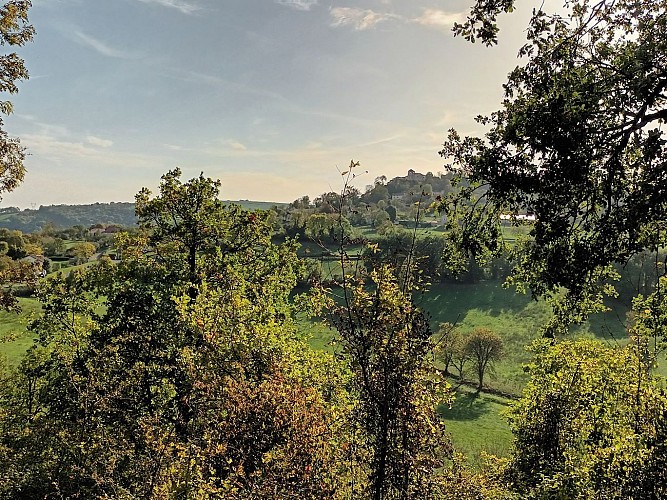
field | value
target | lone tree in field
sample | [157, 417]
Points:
[484, 346]
[447, 338]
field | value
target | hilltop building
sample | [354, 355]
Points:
[415, 176]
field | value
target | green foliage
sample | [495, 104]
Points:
[378, 193]
[53, 246]
[386, 341]
[448, 342]
[313, 272]
[591, 424]
[328, 228]
[461, 483]
[577, 143]
[191, 223]
[649, 320]
[379, 217]
[66, 216]
[12, 272]
[391, 211]
[15, 243]
[402, 249]
[14, 30]
[57, 218]
[153, 379]
[81, 252]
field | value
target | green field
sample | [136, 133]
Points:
[476, 424]
[14, 335]
[515, 317]
[474, 421]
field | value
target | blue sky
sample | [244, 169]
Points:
[270, 96]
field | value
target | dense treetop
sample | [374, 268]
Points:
[578, 142]
[14, 31]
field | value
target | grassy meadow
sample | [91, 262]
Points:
[15, 338]
[476, 424]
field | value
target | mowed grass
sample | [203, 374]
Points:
[15, 338]
[318, 333]
[474, 421]
[476, 424]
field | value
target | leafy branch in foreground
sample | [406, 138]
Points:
[400, 446]
[578, 143]
[386, 341]
[14, 30]
[591, 424]
[155, 379]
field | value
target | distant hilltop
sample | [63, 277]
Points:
[122, 213]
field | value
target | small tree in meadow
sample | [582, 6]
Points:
[448, 339]
[484, 346]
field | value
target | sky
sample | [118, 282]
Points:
[272, 97]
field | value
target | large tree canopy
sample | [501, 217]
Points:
[578, 142]
[139, 388]
[14, 30]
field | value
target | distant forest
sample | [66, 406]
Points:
[65, 216]
[31, 220]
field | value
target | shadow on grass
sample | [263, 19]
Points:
[609, 326]
[466, 406]
[452, 301]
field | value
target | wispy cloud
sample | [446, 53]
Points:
[58, 150]
[63, 151]
[363, 19]
[213, 80]
[99, 46]
[377, 142]
[179, 5]
[279, 101]
[237, 146]
[298, 4]
[360, 19]
[43, 128]
[176, 147]
[439, 18]
[98, 141]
